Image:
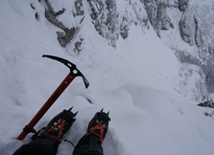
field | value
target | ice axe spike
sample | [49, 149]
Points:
[73, 69]
[74, 72]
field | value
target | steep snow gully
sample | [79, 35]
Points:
[137, 78]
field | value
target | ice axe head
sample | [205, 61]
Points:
[73, 69]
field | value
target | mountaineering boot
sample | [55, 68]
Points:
[58, 126]
[98, 125]
[47, 140]
[91, 142]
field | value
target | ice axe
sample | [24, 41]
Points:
[74, 72]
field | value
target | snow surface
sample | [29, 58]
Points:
[136, 82]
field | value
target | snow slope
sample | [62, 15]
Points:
[136, 82]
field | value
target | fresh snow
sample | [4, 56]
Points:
[138, 82]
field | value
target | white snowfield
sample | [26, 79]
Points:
[138, 82]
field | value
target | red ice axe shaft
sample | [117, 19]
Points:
[74, 72]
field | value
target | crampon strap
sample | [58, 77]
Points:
[60, 126]
[98, 127]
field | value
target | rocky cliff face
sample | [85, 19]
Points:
[110, 22]
[195, 27]
[186, 26]
[157, 15]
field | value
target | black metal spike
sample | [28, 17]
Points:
[70, 109]
[76, 113]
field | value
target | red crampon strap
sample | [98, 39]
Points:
[60, 125]
[98, 127]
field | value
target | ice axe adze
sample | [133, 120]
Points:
[74, 72]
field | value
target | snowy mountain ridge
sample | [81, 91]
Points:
[132, 74]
